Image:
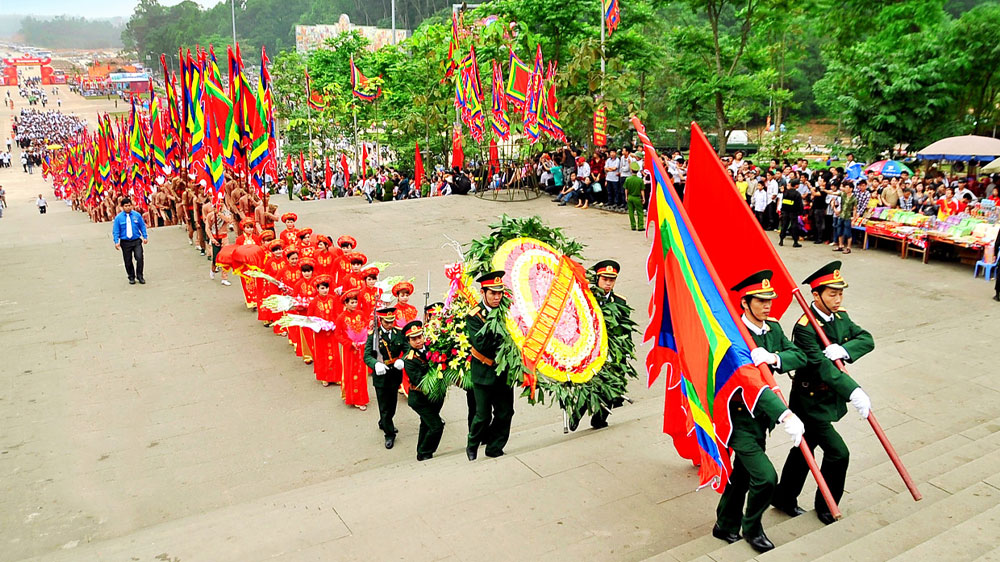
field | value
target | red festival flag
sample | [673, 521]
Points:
[302, 166]
[457, 155]
[364, 162]
[328, 179]
[711, 201]
[347, 171]
[418, 168]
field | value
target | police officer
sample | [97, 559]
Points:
[821, 391]
[493, 394]
[753, 478]
[387, 363]
[431, 424]
[791, 208]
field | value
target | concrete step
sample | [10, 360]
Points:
[851, 528]
[930, 451]
[925, 523]
[930, 469]
[966, 541]
[991, 556]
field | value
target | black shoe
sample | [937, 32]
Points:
[825, 517]
[426, 457]
[996, 297]
[573, 424]
[789, 510]
[781, 242]
[563, 204]
[598, 424]
[796, 245]
[718, 533]
[142, 281]
[131, 281]
[390, 441]
[472, 453]
[760, 543]
[494, 455]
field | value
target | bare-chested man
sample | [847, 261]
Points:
[187, 206]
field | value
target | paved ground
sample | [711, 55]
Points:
[161, 422]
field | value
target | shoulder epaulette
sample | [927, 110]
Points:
[803, 321]
[771, 319]
[411, 354]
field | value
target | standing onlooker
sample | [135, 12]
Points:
[43, 205]
[129, 233]
[611, 169]
[791, 208]
[848, 209]
[758, 202]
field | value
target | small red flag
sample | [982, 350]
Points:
[418, 172]
[288, 163]
[329, 173]
[364, 162]
[347, 171]
[457, 156]
[302, 166]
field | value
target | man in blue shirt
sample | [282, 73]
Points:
[129, 232]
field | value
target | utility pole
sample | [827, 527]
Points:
[232, 4]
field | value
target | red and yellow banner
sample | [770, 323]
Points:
[601, 126]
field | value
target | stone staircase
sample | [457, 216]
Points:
[957, 520]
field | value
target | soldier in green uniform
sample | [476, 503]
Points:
[493, 394]
[605, 276]
[431, 424]
[821, 391]
[753, 478]
[387, 363]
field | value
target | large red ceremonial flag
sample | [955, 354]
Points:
[347, 171]
[328, 176]
[727, 228]
[418, 168]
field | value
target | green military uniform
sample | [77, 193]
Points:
[753, 478]
[819, 396]
[391, 346]
[634, 187]
[494, 396]
[609, 301]
[431, 424]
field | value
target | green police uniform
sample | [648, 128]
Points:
[431, 424]
[819, 396]
[494, 396]
[753, 476]
[391, 346]
[634, 187]
[609, 301]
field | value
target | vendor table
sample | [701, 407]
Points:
[871, 237]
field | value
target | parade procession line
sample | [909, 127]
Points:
[162, 422]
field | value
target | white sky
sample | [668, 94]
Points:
[85, 8]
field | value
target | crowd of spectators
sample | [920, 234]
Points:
[826, 203]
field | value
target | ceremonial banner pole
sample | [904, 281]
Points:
[876, 427]
[824, 489]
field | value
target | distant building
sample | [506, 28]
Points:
[312, 37]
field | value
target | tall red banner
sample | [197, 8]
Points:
[601, 126]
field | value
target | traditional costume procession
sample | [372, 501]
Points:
[526, 315]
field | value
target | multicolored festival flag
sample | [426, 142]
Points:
[314, 99]
[533, 104]
[500, 121]
[360, 85]
[695, 335]
[518, 79]
[612, 16]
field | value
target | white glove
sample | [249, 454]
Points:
[861, 402]
[398, 364]
[793, 426]
[835, 351]
[380, 369]
[760, 355]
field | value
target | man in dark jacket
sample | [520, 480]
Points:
[791, 208]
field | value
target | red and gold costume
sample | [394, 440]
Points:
[326, 351]
[249, 283]
[275, 267]
[369, 298]
[291, 280]
[405, 312]
[306, 291]
[307, 248]
[351, 332]
[289, 236]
